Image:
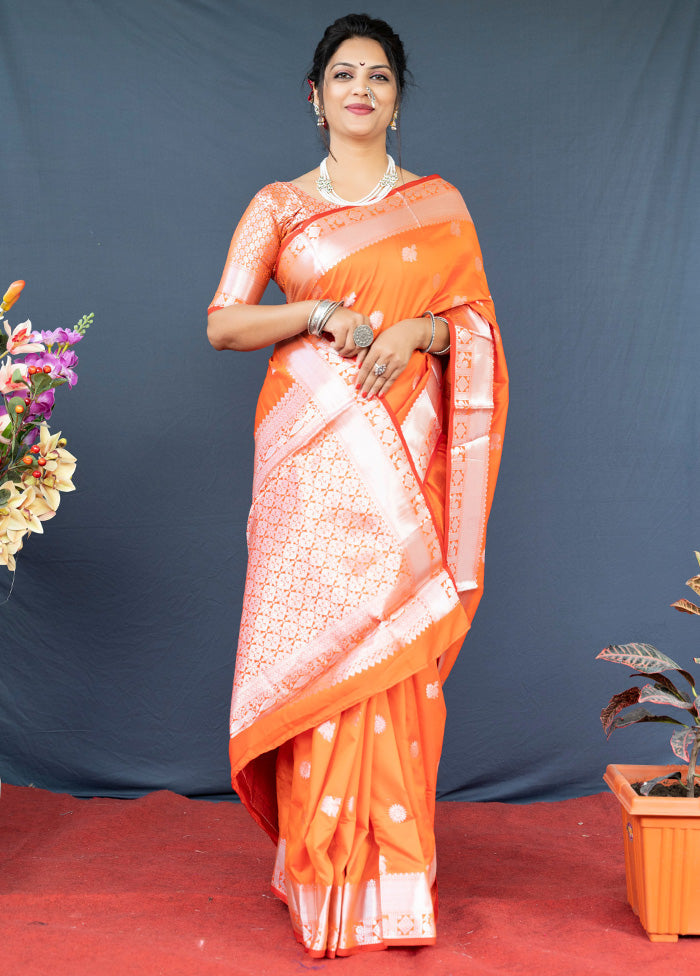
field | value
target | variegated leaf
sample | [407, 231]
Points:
[664, 682]
[637, 715]
[694, 584]
[685, 606]
[646, 788]
[642, 657]
[657, 697]
[615, 705]
[682, 742]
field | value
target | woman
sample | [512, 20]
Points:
[377, 441]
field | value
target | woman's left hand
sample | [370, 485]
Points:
[392, 348]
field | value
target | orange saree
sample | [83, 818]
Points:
[366, 543]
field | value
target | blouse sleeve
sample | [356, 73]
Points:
[252, 254]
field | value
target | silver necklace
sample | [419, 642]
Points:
[378, 192]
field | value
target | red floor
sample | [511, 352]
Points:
[166, 885]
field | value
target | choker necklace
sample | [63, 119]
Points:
[387, 183]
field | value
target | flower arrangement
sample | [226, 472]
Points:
[626, 709]
[35, 466]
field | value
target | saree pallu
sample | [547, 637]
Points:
[366, 544]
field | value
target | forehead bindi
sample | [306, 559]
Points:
[360, 51]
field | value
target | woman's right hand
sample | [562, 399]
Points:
[341, 326]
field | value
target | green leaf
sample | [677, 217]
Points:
[3, 347]
[13, 402]
[4, 495]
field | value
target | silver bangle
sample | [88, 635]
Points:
[320, 313]
[443, 352]
[432, 336]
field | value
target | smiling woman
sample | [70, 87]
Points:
[377, 441]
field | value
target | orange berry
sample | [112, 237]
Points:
[47, 368]
[27, 459]
[19, 408]
[41, 462]
[34, 449]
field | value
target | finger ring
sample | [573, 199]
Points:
[363, 336]
[379, 369]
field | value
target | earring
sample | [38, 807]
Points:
[320, 120]
[394, 120]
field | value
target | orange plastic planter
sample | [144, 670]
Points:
[662, 854]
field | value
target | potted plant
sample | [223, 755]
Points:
[660, 804]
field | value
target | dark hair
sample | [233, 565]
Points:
[360, 25]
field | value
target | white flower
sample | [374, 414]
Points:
[350, 300]
[305, 770]
[432, 690]
[376, 319]
[409, 253]
[414, 749]
[350, 805]
[379, 724]
[397, 813]
[330, 805]
[382, 864]
[327, 730]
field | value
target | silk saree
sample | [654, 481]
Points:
[366, 555]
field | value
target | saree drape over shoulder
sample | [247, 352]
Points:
[366, 555]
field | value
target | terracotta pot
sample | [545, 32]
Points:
[662, 853]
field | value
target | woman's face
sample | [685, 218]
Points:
[358, 64]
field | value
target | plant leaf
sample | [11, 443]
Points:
[615, 705]
[657, 697]
[685, 606]
[682, 743]
[641, 714]
[646, 788]
[4, 495]
[664, 683]
[694, 584]
[697, 556]
[643, 657]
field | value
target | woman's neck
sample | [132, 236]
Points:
[356, 168]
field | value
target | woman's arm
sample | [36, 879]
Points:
[248, 327]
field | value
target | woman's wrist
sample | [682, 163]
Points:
[421, 331]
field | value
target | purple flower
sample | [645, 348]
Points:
[60, 365]
[61, 336]
[43, 404]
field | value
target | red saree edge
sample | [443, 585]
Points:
[326, 213]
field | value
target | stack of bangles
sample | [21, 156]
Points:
[320, 314]
[363, 336]
[436, 352]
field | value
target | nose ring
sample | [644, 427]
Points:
[372, 96]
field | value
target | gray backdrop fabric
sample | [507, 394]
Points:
[133, 136]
